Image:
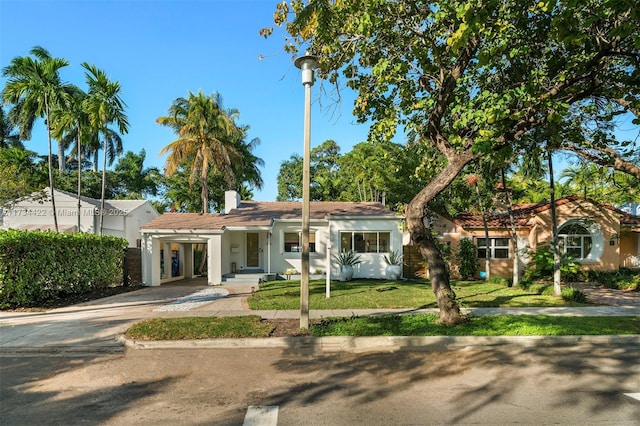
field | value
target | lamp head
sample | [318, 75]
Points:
[307, 64]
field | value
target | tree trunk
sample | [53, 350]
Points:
[79, 154]
[487, 251]
[61, 159]
[418, 224]
[514, 234]
[204, 194]
[557, 290]
[51, 186]
[95, 160]
[104, 183]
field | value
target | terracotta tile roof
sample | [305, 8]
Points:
[262, 213]
[522, 213]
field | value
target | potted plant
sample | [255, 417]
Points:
[347, 259]
[394, 262]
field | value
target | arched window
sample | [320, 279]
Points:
[575, 240]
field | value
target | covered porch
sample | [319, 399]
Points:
[172, 257]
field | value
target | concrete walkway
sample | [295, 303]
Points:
[98, 326]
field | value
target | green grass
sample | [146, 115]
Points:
[501, 325]
[199, 328]
[388, 325]
[410, 294]
[379, 294]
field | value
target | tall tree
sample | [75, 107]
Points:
[206, 136]
[34, 88]
[473, 181]
[8, 139]
[21, 174]
[469, 77]
[104, 106]
[324, 171]
[68, 122]
[135, 180]
[290, 179]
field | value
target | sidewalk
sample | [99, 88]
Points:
[98, 326]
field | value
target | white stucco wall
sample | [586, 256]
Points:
[373, 265]
[123, 219]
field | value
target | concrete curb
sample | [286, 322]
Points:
[389, 343]
[66, 351]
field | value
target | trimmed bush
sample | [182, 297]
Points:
[37, 266]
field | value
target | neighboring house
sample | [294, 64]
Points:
[254, 236]
[599, 237]
[122, 218]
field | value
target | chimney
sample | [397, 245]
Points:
[231, 201]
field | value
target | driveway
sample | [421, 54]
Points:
[86, 327]
[94, 327]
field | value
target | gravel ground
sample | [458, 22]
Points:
[194, 300]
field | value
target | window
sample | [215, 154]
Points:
[498, 248]
[365, 242]
[575, 240]
[293, 242]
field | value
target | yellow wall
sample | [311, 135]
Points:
[615, 246]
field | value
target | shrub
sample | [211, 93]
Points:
[623, 279]
[525, 284]
[571, 294]
[500, 281]
[38, 266]
[541, 266]
[468, 258]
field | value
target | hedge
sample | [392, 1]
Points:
[37, 266]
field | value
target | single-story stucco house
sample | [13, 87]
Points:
[122, 218]
[599, 237]
[265, 237]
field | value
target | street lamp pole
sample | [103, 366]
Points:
[307, 64]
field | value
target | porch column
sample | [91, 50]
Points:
[166, 257]
[269, 252]
[150, 261]
[188, 260]
[214, 261]
[328, 264]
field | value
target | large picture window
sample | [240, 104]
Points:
[365, 242]
[498, 248]
[575, 240]
[293, 242]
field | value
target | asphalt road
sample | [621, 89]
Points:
[583, 385]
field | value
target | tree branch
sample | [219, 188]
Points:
[608, 157]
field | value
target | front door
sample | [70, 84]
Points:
[253, 249]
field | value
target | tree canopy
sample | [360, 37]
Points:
[474, 78]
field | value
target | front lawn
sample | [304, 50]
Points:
[409, 294]
[388, 325]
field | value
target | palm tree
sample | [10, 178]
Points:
[8, 139]
[104, 106]
[34, 87]
[207, 134]
[94, 145]
[68, 124]
[247, 170]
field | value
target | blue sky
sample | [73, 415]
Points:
[160, 50]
